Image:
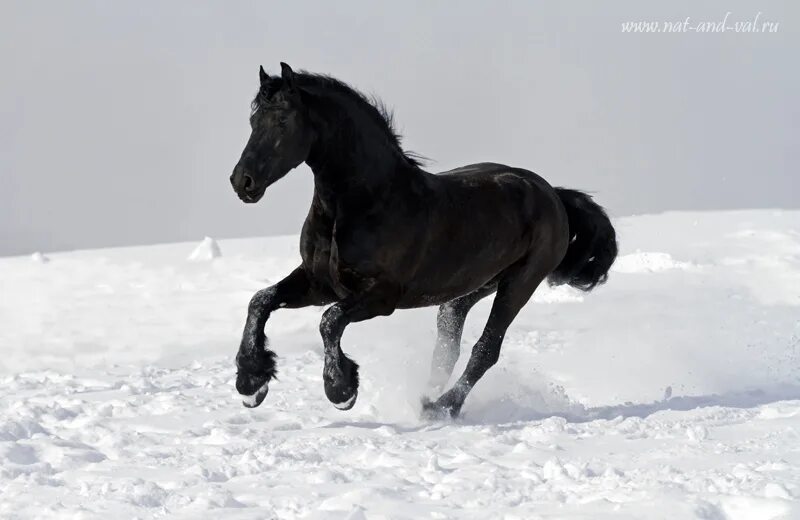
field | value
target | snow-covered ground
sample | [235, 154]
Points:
[671, 392]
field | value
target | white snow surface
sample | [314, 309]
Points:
[648, 262]
[672, 392]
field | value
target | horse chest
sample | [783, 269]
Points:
[320, 254]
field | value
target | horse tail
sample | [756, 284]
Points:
[592, 246]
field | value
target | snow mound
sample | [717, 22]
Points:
[648, 262]
[39, 258]
[556, 294]
[205, 251]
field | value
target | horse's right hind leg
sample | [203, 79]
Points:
[450, 325]
[514, 290]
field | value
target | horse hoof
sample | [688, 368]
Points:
[434, 411]
[251, 401]
[343, 396]
[349, 403]
[341, 383]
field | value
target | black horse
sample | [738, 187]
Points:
[383, 234]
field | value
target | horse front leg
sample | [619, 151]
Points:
[255, 362]
[340, 373]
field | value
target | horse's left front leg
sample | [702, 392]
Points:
[340, 373]
[255, 362]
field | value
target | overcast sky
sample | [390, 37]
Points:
[120, 122]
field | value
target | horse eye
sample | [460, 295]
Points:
[283, 120]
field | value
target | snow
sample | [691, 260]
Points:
[670, 392]
[39, 258]
[648, 262]
[206, 250]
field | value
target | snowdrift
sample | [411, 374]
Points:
[673, 391]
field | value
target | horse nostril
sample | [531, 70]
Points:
[249, 183]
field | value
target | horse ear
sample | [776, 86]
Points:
[263, 76]
[287, 75]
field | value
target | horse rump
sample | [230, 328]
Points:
[592, 246]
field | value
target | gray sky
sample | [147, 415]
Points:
[120, 122]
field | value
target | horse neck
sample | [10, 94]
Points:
[351, 158]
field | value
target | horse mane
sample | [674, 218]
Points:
[372, 106]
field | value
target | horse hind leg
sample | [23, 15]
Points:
[514, 289]
[450, 325]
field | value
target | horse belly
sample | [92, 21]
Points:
[457, 265]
